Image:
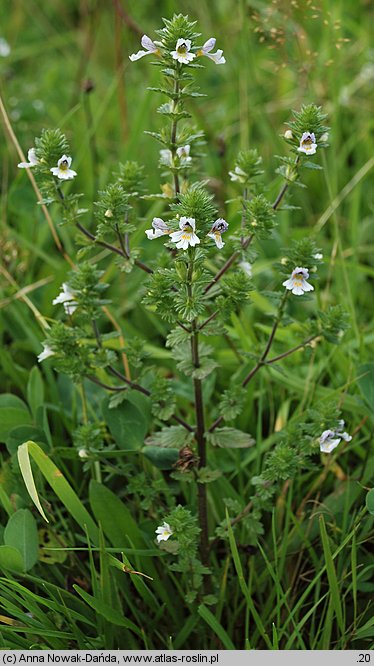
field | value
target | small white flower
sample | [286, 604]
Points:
[318, 256]
[308, 143]
[297, 283]
[108, 213]
[82, 453]
[66, 297]
[33, 160]
[330, 439]
[182, 51]
[166, 157]
[206, 49]
[62, 170]
[183, 152]
[186, 236]
[324, 138]
[160, 228]
[288, 134]
[4, 48]
[149, 46]
[238, 175]
[46, 353]
[219, 227]
[246, 267]
[163, 532]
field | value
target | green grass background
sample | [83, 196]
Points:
[308, 584]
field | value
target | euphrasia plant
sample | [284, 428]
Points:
[201, 277]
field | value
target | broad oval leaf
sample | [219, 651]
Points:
[230, 438]
[127, 424]
[21, 533]
[11, 558]
[370, 501]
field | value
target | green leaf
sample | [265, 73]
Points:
[230, 438]
[23, 433]
[21, 533]
[170, 437]
[207, 475]
[243, 585]
[216, 627]
[114, 517]
[370, 501]
[331, 576]
[113, 616]
[127, 424]
[26, 471]
[13, 412]
[11, 558]
[58, 483]
[35, 390]
[365, 381]
[161, 458]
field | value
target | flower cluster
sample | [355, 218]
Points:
[186, 235]
[61, 171]
[184, 52]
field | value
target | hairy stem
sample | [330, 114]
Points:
[200, 428]
[173, 135]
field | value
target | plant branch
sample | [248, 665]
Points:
[291, 351]
[283, 189]
[263, 356]
[246, 242]
[112, 248]
[130, 384]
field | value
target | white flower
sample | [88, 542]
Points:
[46, 353]
[246, 267]
[297, 283]
[66, 297]
[308, 144]
[288, 134]
[184, 154]
[238, 174]
[330, 439]
[182, 51]
[163, 532]
[4, 48]
[82, 453]
[219, 227]
[160, 228]
[217, 57]
[149, 46]
[166, 157]
[186, 236]
[62, 170]
[318, 256]
[33, 160]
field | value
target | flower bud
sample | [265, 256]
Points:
[324, 138]
[108, 213]
[288, 134]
